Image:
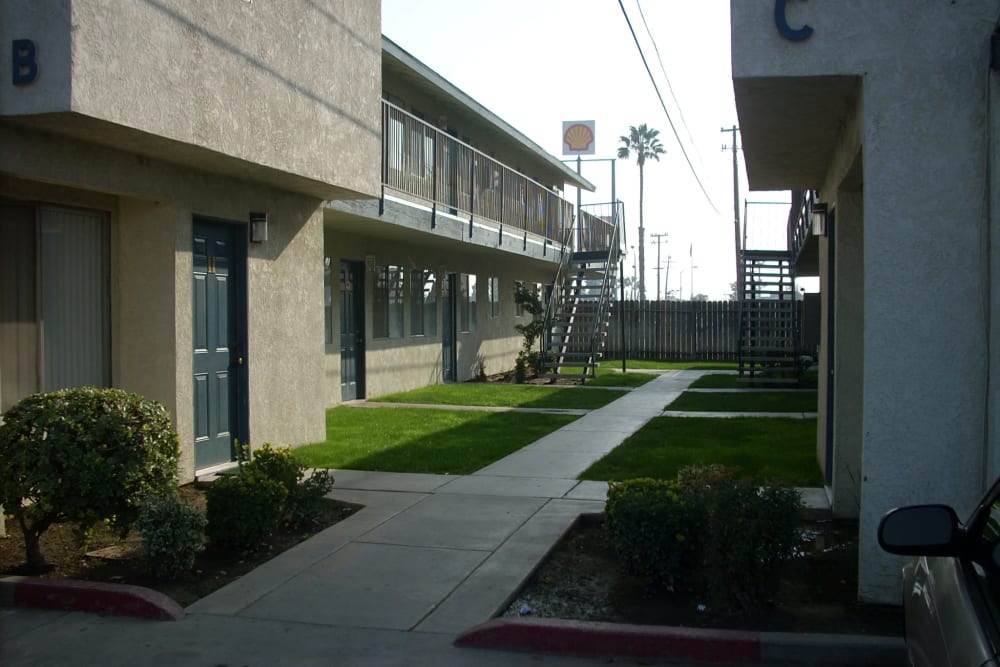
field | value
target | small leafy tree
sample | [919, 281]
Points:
[83, 455]
[529, 299]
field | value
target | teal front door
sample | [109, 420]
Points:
[219, 297]
[352, 331]
[449, 314]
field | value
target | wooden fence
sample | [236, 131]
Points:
[675, 330]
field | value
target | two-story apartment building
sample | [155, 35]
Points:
[468, 207]
[211, 204]
[888, 111]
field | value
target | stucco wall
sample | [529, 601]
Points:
[283, 85]
[993, 459]
[152, 206]
[849, 362]
[926, 271]
[398, 364]
[926, 280]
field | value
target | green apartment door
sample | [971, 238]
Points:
[352, 331]
[220, 378]
[449, 314]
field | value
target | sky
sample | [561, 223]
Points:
[537, 63]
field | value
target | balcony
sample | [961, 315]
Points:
[433, 182]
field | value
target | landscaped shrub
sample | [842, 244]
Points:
[243, 509]
[83, 455]
[304, 501]
[278, 465]
[271, 487]
[173, 534]
[704, 478]
[305, 504]
[705, 531]
[654, 529]
[529, 299]
[749, 532]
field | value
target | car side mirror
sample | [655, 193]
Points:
[921, 530]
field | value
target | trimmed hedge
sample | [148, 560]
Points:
[271, 487]
[705, 531]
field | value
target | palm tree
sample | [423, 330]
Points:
[645, 143]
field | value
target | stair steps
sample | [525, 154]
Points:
[579, 323]
[769, 322]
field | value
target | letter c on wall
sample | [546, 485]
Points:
[787, 31]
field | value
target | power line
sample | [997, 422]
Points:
[687, 159]
[670, 87]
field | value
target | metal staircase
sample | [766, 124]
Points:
[579, 309]
[769, 323]
[579, 326]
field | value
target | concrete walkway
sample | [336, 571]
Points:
[440, 553]
[428, 557]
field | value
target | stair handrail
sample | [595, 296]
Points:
[604, 302]
[551, 304]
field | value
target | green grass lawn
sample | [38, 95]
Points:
[648, 364]
[717, 381]
[732, 381]
[422, 440]
[505, 395]
[765, 449]
[609, 375]
[737, 401]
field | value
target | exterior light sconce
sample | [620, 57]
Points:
[370, 263]
[817, 219]
[258, 227]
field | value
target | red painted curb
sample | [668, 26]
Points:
[90, 596]
[593, 639]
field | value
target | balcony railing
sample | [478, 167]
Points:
[423, 162]
[597, 228]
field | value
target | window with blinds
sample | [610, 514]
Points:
[54, 300]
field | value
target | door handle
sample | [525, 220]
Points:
[239, 361]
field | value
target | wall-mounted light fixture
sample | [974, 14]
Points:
[817, 219]
[370, 263]
[258, 227]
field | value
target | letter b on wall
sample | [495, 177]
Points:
[23, 62]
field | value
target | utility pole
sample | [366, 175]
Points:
[658, 238]
[736, 210]
[666, 280]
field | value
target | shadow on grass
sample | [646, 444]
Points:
[768, 450]
[736, 401]
[506, 395]
[444, 442]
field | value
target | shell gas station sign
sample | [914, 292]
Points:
[578, 137]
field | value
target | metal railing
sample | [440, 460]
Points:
[613, 244]
[422, 161]
[552, 303]
[798, 220]
[598, 231]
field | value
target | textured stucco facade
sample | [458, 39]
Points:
[884, 110]
[168, 117]
[408, 362]
[158, 114]
[151, 279]
[260, 90]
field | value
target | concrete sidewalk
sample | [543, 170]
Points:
[429, 556]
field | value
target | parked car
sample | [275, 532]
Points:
[951, 591]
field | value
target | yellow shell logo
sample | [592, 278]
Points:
[578, 137]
